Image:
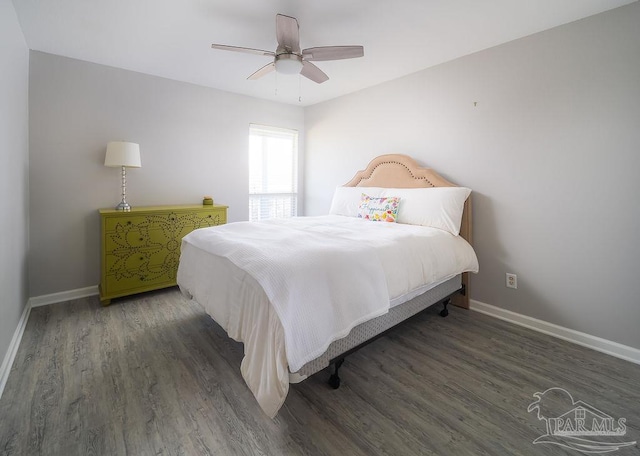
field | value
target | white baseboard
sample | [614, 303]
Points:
[586, 340]
[63, 296]
[10, 356]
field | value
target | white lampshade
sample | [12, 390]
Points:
[121, 153]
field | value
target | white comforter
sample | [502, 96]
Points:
[288, 288]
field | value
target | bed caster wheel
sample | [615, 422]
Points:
[334, 381]
[444, 312]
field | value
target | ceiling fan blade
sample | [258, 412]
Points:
[333, 53]
[288, 34]
[268, 68]
[224, 47]
[310, 71]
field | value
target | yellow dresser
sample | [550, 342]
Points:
[141, 248]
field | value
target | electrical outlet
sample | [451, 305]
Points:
[512, 280]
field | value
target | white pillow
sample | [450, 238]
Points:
[346, 200]
[437, 207]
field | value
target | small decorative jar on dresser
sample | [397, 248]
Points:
[141, 247]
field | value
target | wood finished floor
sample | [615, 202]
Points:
[154, 375]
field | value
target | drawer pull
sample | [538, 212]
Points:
[142, 239]
[141, 277]
[141, 258]
[128, 222]
[209, 215]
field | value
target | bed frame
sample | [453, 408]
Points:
[402, 171]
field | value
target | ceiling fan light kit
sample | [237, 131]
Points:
[288, 63]
[289, 59]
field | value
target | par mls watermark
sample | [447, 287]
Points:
[577, 425]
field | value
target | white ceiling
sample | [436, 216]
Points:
[172, 38]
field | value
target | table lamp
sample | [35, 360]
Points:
[126, 155]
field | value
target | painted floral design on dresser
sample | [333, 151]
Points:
[149, 247]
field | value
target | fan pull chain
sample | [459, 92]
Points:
[299, 89]
[276, 92]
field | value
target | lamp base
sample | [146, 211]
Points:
[123, 206]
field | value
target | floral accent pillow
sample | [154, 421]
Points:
[378, 209]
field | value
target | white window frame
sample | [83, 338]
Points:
[265, 204]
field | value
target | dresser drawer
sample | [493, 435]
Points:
[205, 219]
[135, 239]
[131, 262]
[136, 282]
[160, 220]
[141, 261]
[168, 220]
[111, 223]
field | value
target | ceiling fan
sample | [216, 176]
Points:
[289, 59]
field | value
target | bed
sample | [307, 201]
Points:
[303, 293]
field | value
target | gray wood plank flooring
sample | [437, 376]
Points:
[154, 375]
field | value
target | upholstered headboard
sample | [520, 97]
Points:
[402, 171]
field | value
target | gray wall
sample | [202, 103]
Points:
[14, 163]
[551, 150]
[193, 142]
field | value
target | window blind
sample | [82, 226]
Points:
[273, 172]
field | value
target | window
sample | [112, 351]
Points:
[273, 172]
